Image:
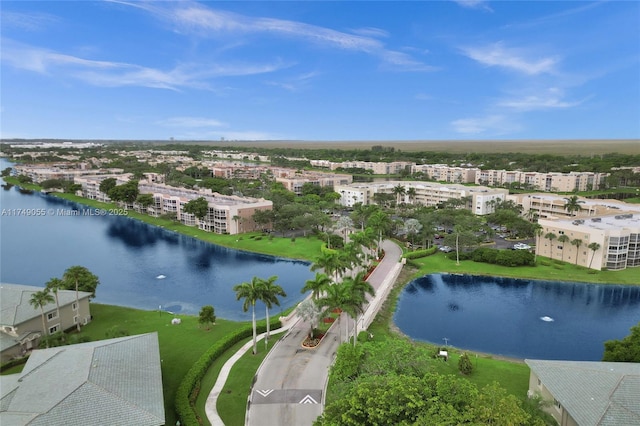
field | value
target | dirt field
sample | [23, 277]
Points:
[558, 147]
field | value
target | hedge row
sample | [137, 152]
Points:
[500, 257]
[191, 381]
[421, 253]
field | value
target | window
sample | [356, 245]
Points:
[53, 329]
[75, 319]
[539, 382]
[557, 404]
[74, 306]
[52, 315]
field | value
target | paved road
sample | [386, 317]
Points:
[290, 384]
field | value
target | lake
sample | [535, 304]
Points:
[139, 265]
[517, 318]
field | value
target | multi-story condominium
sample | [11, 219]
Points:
[481, 200]
[21, 324]
[40, 173]
[378, 168]
[604, 241]
[444, 173]
[227, 214]
[552, 206]
[293, 180]
[91, 185]
[549, 182]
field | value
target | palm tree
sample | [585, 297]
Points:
[269, 296]
[577, 242]
[551, 236]
[563, 239]
[335, 297]
[411, 192]
[380, 222]
[399, 190]
[40, 299]
[593, 247]
[361, 239]
[573, 205]
[329, 262]
[76, 275]
[53, 285]
[359, 288]
[251, 293]
[237, 219]
[316, 285]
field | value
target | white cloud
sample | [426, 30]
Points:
[194, 18]
[27, 21]
[490, 124]
[552, 98]
[497, 54]
[296, 83]
[191, 122]
[474, 4]
[118, 74]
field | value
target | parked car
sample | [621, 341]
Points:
[521, 246]
[445, 249]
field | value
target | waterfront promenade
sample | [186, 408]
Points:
[289, 387]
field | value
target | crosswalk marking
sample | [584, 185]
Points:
[264, 392]
[308, 400]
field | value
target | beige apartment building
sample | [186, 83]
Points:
[548, 182]
[615, 239]
[21, 323]
[423, 193]
[444, 173]
[71, 171]
[546, 205]
[378, 168]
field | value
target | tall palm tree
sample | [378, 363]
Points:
[399, 190]
[316, 285]
[577, 243]
[360, 239]
[411, 192]
[40, 299]
[329, 262]
[77, 276]
[573, 205]
[53, 285]
[550, 236]
[594, 247]
[563, 239]
[335, 297]
[251, 293]
[269, 296]
[358, 288]
[237, 219]
[380, 222]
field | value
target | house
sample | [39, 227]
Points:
[588, 393]
[107, 382]
[21, 323]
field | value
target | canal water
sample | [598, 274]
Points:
[517, 318]
[139, 265]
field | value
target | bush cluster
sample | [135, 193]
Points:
[421, 253]
[500, 257]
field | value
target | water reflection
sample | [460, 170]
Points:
[503, 315]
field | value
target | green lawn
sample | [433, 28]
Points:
[180, 345]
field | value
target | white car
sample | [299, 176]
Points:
[521, 246]
[446, 249]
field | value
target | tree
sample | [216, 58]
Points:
[309, 311]
[625, 350]
[563, 239]
[127, 192]
[412, 227]
[550, 236]
[207, 315]
[250, 292]
[107, 185]
[269, 293]
[344, 224]
[145, 200]
[594, 247]
[464, 364]
[316, 285]
[329, 262]
[358, 288]
[411, 192]
[80, 279]
[380, 223]
[199, 207]
[40, 299]
[573, 205]
[53, 285]
[577, 243]
[334, 297]
[399, 190]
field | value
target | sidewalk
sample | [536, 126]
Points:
[283, 404]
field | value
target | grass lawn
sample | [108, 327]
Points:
[180, 345]
[545, 270]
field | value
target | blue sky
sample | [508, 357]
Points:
[308, 70]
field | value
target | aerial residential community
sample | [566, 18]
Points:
[320, 213]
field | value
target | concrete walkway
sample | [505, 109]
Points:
[289, 387]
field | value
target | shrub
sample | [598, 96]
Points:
[465, 365]
[421, 253]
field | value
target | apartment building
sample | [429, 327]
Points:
[293, 180]
[549, 182]
[378, 168]
[423, 193]
[444, 173]
[64, 171]
[605, 241]
[546, 205]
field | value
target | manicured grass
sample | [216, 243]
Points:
[232, 402]
[546, 269]
[180, 345]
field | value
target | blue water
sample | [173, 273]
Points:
[507, 316]
[128, 256]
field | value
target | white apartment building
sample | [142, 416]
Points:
[423, 193]
[378, 168]
[40, 173]
[616, 238]
[444, 173]
[549, 182]
[552, 206]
